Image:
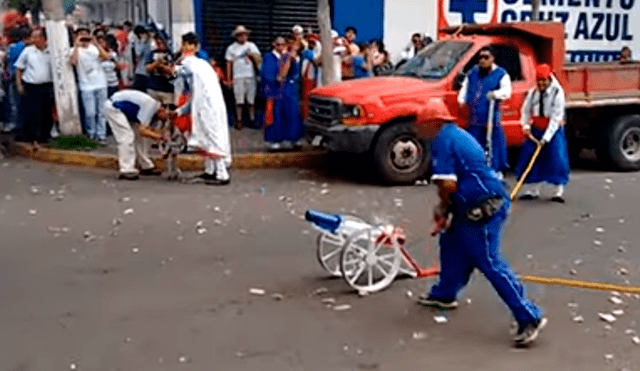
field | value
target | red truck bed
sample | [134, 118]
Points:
[600, 84]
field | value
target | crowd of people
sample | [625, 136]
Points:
[262, 89]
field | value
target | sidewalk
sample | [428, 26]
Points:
[249, 151]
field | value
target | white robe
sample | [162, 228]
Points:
[209, 120]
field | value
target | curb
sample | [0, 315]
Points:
[184, 162]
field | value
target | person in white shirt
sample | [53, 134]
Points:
[243, 58]
[543, 122]
[130, 114]
[416, 45]
[339, 53]
[111, 65]
[34, 81]
[198, 82]
[87, 56]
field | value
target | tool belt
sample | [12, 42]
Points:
[540, 122]
[485, 210]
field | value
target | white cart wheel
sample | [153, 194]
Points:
[369, 266]
[329, 248]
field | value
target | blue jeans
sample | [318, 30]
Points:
[13, 106]
[468, 245]
[94, 121]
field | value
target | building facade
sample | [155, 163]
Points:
[596, 29]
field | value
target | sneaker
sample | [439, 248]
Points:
[558, 199]
[152, 171]
[437, 303]
[527, 334]
[217, 182]
[128, 176]
[206, 176]
[274, 146]
[528, 197]
[8, 128]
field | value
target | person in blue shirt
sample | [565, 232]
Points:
[281, 88]
[470, 216]
[363, 62]
[483, 83]
[14, 50]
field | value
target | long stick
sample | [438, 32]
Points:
[581, 284]
[524, 175]
[488, 151]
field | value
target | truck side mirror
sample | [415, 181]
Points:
[457, 83]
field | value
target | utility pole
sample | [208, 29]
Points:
[535, 10]
[64, 83]
[324, 22]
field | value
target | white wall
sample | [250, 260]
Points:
[183, 20]
[402, 18]
[159, 12]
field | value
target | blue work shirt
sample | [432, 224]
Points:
[14, 52]
[202, 54]
[456, 155]
[359, 70]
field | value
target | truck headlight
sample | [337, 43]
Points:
[351, 111]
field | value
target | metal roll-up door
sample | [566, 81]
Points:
[265, 19]
[287, 13]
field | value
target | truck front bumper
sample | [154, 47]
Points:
[340, 138]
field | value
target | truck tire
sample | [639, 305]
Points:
[399, 155]
[621, 143]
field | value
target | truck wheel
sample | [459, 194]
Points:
[399, 155]
[621, 146]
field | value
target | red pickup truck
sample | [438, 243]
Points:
[376, 115]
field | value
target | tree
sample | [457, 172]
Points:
[324, 22]
[34, 6]
[66, 93]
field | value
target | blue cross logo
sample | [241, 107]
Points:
[468, 8]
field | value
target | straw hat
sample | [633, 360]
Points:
[240, 29]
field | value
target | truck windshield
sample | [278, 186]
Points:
[435, 61]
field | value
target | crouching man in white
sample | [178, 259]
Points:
[130, 113]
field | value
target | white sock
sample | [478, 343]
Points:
[558, 190]
[209, 166]
[221, 170]
[532, 189]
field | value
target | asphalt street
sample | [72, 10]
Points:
[100, 274]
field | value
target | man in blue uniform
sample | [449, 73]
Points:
[472, 210]
[485, 82]
[542, 117]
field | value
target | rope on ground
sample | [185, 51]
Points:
[581, 284]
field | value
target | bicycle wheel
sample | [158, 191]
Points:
[367, 265]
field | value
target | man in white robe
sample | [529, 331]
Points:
[205, 104]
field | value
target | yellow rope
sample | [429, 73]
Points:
[524, 175]
[581, 284]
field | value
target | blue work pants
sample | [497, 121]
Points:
[468, 245]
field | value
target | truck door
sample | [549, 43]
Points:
[509, 58]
